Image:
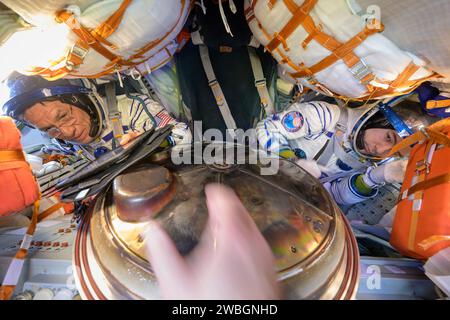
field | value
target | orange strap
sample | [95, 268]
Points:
[6, 291]
[433, 104]
[298, 17]
[108, 27]
[86, 38]
[434, 134]
[427, 184]
[96, 39]
[11, 155]
[341, 52]
[50, 211]
[433, 240]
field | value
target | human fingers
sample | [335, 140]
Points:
[167, 263]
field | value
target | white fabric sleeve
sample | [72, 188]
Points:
[344, 191]
[299, 121]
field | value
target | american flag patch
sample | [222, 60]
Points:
[163, 119]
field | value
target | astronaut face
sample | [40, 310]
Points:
[378, 142]
[60, 120]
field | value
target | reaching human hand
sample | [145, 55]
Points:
[130, 136]
[231, 261]
[391, 172]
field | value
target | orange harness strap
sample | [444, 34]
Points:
[433, 104]
[11, 277]
[427, 184]
[86, 41]
[433, 132]
[11, 155]
[96, 39]
[50, 211]
[340, 53]
[297, 18]
[108, 27]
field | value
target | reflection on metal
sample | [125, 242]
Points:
[315, 251]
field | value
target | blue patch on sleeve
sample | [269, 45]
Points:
[300, 153]
[343, 166]
[293, 121]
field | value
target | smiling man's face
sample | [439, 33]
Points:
[378, 142]
[60, 120]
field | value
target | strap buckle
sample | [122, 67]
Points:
[260, 83]
[422, 166]
[360, 70]
[79, 51]
[425, 133]
[213, 83]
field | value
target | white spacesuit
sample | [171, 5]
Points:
[327, 134]
[135, 118]
[111, 117]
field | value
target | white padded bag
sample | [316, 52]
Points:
[376, 67]
[150, 24]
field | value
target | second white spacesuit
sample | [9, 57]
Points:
[328, 135]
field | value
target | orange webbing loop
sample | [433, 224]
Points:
[86, 38]
[311, 36]
[271, 3]
[298, 17]
[432, 241]
[433, 104]
[90, 39]
[433, 132]
[95, 39]
[341, 52]
[6, 291]
[50, 211]
[407, 73]
[111, 24]
[427, 184]
[11, 155]
[139, 54]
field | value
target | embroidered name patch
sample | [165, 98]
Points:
[293, 121]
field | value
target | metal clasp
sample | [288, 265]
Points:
[360, 70]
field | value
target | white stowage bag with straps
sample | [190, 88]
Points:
[95, 38]
[323, 45]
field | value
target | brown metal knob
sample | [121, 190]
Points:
[141, 193]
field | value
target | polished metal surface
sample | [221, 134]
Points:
[141, 193]
[315, 251]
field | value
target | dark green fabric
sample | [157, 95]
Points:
[233, 70]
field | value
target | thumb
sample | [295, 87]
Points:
[395, 171]
[168, 265]
[226, 209]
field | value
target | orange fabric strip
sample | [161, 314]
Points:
[298, 17]
[11, 155]
[153, 44]
[340, 53]
[413, 229]
[427, 184]
[433, 104]
[433, 130]
[111, 24]
[6, 292]
[50, 210]
[410, 69]
[433, 240]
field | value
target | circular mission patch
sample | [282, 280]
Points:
[293, 121]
